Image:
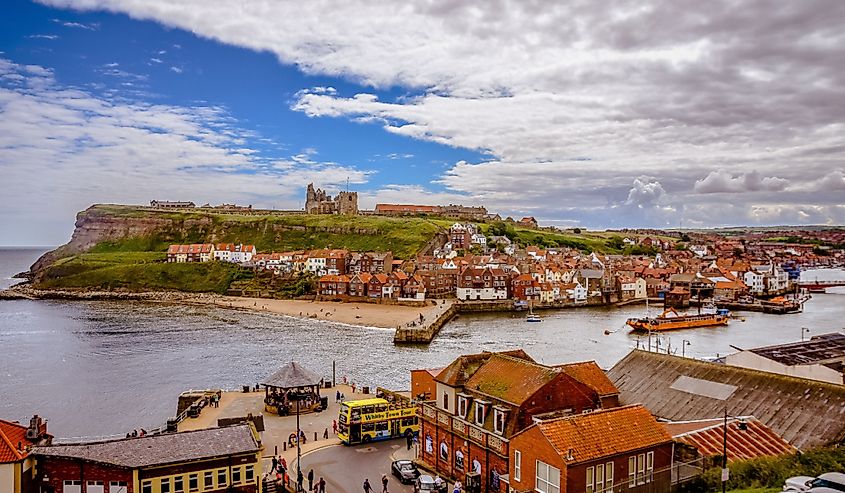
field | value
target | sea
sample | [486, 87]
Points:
[96, 369]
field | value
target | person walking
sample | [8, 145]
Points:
[321, 485]
[384, 483]
[409, 440]
[275, 464]
[311, 480]
[367, 487]
[299, 480]
[337, 396]
[334, 426]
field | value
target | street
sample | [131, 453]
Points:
[345, 468]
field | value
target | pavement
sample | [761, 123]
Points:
[345, 468]
[278, 428]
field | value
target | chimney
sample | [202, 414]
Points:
[569, 454]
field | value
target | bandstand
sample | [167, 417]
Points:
[293, 388]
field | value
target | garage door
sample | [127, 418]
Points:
[94, 487]
[72, 487]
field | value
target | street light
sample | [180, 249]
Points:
[684, 345]
[803, 331]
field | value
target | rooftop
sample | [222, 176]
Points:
[807, 413]
[604, 433]
[292, 375]
[819, 349]
[510, 379]
[755, 440]
[156, 450]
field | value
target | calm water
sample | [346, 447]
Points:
[102, 368]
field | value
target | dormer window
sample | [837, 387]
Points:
[480, 412]
[463, 405]
[500, 416]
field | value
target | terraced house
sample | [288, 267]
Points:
[212, 460]
[482, 400]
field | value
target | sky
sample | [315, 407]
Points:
[646, 113]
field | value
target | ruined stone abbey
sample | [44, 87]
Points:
[319, 202]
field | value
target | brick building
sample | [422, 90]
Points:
[197, 252]
[213, 460]
[482, 400]
[483, 283]
[16, 462]
[609, 450]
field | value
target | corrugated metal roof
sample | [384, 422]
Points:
[806, 413]
[755, 440]
[821, 348]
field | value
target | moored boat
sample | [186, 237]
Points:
[672, 320]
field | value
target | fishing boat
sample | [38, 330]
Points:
[672, 320]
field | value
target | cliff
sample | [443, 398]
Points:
[117, 229]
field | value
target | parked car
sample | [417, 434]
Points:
[405, 470]
[825, 483]
[426, 484]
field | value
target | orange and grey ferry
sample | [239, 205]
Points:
[672, 320]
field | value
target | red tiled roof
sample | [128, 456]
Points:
[604, 433]
[510, 379]
[10, 435]
[589, 373]
[755, 441]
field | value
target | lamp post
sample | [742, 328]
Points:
[684, 345]
[298, 444]
[804, 330]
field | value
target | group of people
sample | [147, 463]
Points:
[136, 433]
[369, 489]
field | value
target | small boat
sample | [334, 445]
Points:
[532, 317]
[672, 320]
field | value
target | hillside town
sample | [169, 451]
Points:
[469, 265]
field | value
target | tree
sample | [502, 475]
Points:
[615, 242]
[685, 238]
[577, 231]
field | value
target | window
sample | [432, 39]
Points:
[178, 485]
[221, 477]
[517, 465]
[249, 473]
[548, 478]
[463, 404]
[236, 475]
[445, 401]
[499, 420]
[600, 478]
[591, 480]
[608, 477]
[147, 487]
[117, 487]
[479, 413]
[72, 486]
[444, 451]
[194, 482]
[649, 467]
[641, 469]
[632, 471]
[208, 480]
[165, 485]
[94, 486]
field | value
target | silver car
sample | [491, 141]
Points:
[825, 483]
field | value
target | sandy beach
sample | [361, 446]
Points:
[368, 314]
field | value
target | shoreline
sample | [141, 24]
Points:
[386, 316]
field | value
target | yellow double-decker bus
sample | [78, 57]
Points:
[368, 420]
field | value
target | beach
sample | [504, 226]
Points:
[366, 314]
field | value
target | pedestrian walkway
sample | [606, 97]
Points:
[278, 429]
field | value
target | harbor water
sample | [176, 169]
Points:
[105, 368]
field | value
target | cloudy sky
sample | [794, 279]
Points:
[595, 114]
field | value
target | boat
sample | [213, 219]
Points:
[672, 320]
[532, 317]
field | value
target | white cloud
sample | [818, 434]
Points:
[721, 181]
[43, 36]
[75, 148]
[670, 90]
[178, 70]
[645, 193]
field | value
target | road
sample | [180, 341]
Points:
[345, 468]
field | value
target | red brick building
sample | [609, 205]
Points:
[482, 400]
[610, 450]
[214, 460]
